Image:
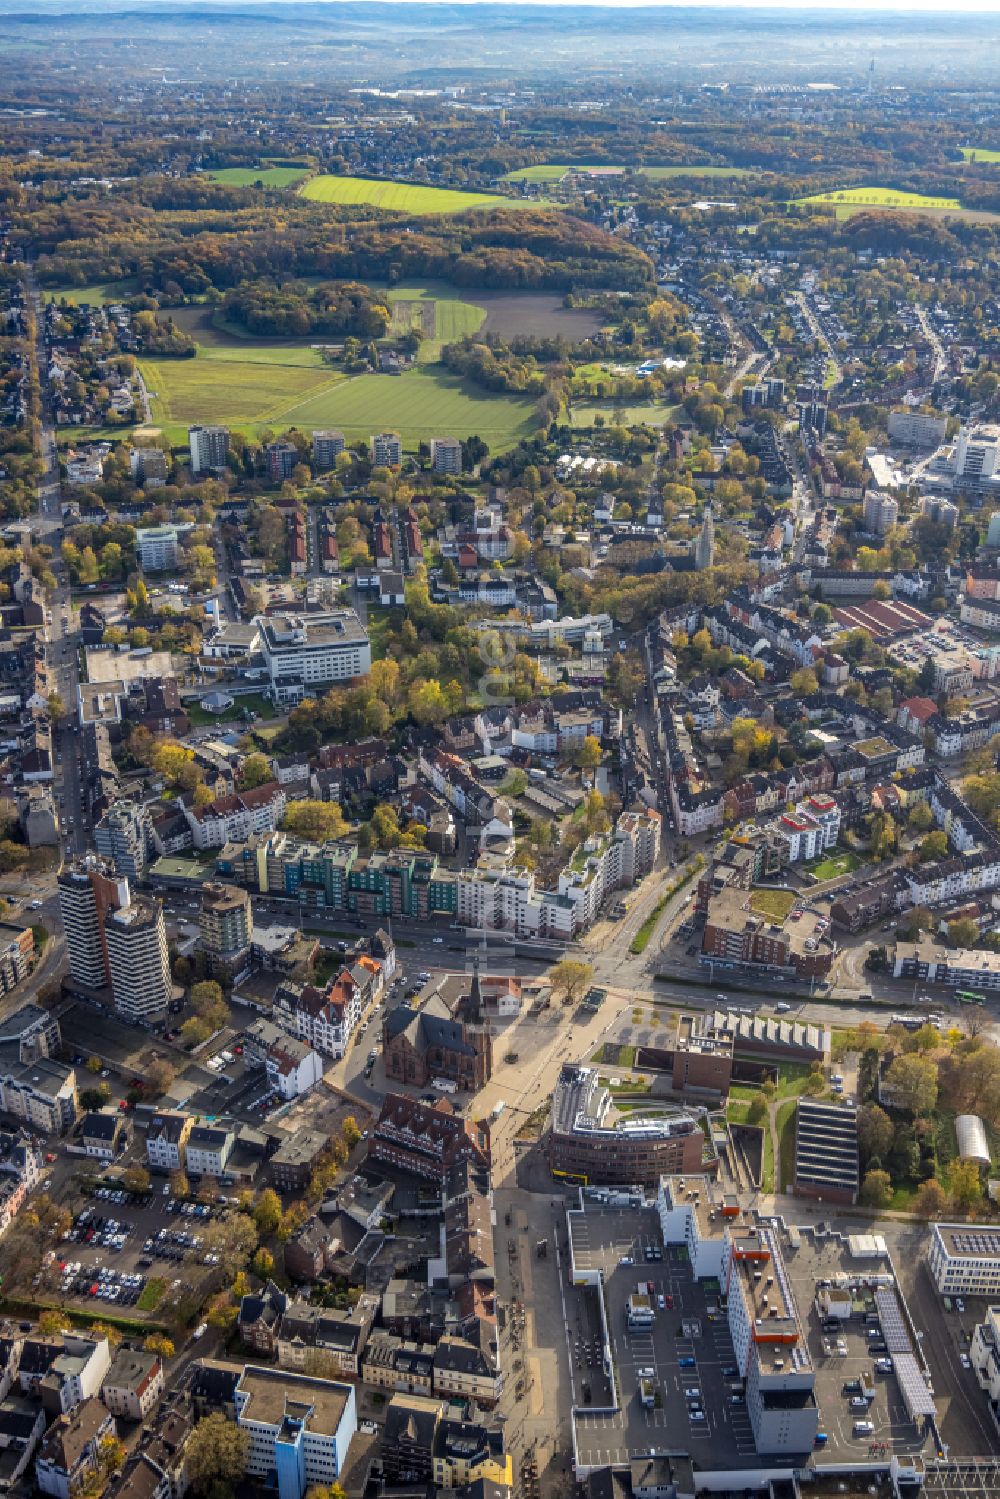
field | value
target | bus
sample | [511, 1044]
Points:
[968, 997]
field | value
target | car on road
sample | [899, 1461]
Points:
[782, 1008]
[959, 1304]
[965, 1360]
[438, 941]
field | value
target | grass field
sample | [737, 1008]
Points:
[586, 412]
[266, 176]
[441, 319]
[784, 1123]
[773, 903]
[833, 865]
[249, 395]
[403, 197]
[850, 200]
[554, 172]
[977, 153]
[96, 294]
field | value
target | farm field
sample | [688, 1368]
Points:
[554, 172]
[403, 197]
[267, 176]
[980, 154]
[850, 200]
[251, 395]
[442, 319]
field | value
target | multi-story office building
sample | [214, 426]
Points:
[327, 446]
[209, 449]
[591, 1142]
[136, 941]
[387, 450]
[125, 836]
[964, 1259]
[226, 927]
[977, 454]
[87, 893]
[300, 1428]
[446, 455]
[156, 547]
[304, 653]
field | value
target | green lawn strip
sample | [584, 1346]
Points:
[152, 1294]
[640, 941]
[978, 154]
[82, 1317]
[95, 294]
[254, 703]
[785, 1128]
[554, 172]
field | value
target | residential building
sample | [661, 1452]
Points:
[305, 652]
[43, 1093]
[156, 548]
[426, 1140]
[977, 454]
[984, 1352]
[386, 450]
[917, 429]
[446, 455]
[295, 1158]
[226, 928]
[136, 940]
[591, 1142]
[964, 1258]
[394, 1363]
[166, 1140]
[133, 1384]
[469, 1368]
[238, 817]
[465, 1452]
[209, 449]
[70, 1454]
[87, 893]
[411, 1423]
[208, 1149]
[880, 512]
[124, 836]
[104, 1134]
[75, 1373]
[327, 447]
[281, 458]
[299, 1427]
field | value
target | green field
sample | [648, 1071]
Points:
[649, 413]
[96, 294]
[266, 176]
[249, 396]
[977, 153]
[554, 172]
[441, 319]
[403, 197]
[849, 200]
[834, 864]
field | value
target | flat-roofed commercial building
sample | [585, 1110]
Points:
[826, 1151]
[591, 1142]
[305, 652]
[299, 1428]
[964, 1259]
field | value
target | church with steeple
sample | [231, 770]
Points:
[704, 547]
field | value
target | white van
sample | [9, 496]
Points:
[444, 1085]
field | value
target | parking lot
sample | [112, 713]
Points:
[127, 1249]
[683, 1353]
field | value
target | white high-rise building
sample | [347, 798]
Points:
[446, 455]
[977, 454]
[209, 447]
[387, 450]
[917, 429]
[881, 512]
[139, 961]
[87, 893]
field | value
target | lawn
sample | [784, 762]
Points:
[784, 1120]
[96, 294]
[832, 865]
[585, 414]
[151, 1294]
[256, 704]
[554, 172]
[773, 903]
[403, 197]
[266, 176]
[977, 153]
[441, 319]
[850, 200]
[186, 391]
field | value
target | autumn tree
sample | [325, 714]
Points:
[912, 1081]
[588, 754]
[875, 1132]
[931, 1200]
[964, 1183]
[136, 1179]
[216, 1452]
[317, 822]
[571, 979]
[158, 1342]
[267, 1211]
[255, 771]
[876, 1189]
[160, 1073]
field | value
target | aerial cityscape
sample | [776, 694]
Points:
[500, 741]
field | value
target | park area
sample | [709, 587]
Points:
[404, 197]
[833, 865]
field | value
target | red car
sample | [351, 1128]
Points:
[670, 1302]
